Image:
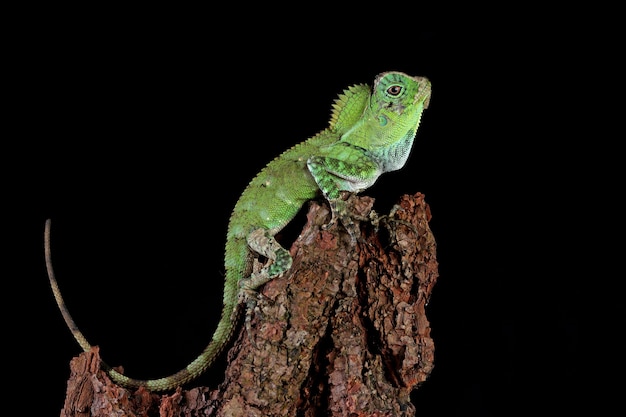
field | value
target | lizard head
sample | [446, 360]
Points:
[396, 105]
[382, 120]
[391, 117]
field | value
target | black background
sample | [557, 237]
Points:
[136, 133]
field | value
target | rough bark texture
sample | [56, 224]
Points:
[343, 333]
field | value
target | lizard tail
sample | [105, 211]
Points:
[225, 329]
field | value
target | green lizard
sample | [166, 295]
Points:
[371, 131]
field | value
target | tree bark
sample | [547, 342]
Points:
[344, 332]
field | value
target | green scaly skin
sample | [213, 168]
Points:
[371, 131]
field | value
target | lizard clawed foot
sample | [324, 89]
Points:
[351, 228]
[387, 219]
[348, 224]
[339, 210]
[328, 225]
[250, 298]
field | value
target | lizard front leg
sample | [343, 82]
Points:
[351, 170]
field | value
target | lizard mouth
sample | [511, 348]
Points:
[423, 93]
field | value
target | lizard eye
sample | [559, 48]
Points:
[394, 90]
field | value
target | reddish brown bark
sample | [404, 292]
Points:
[344, 332]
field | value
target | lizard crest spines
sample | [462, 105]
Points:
[348, 107]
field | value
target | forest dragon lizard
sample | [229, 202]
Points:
[371, 131]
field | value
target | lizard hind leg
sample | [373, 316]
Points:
[262, 242]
